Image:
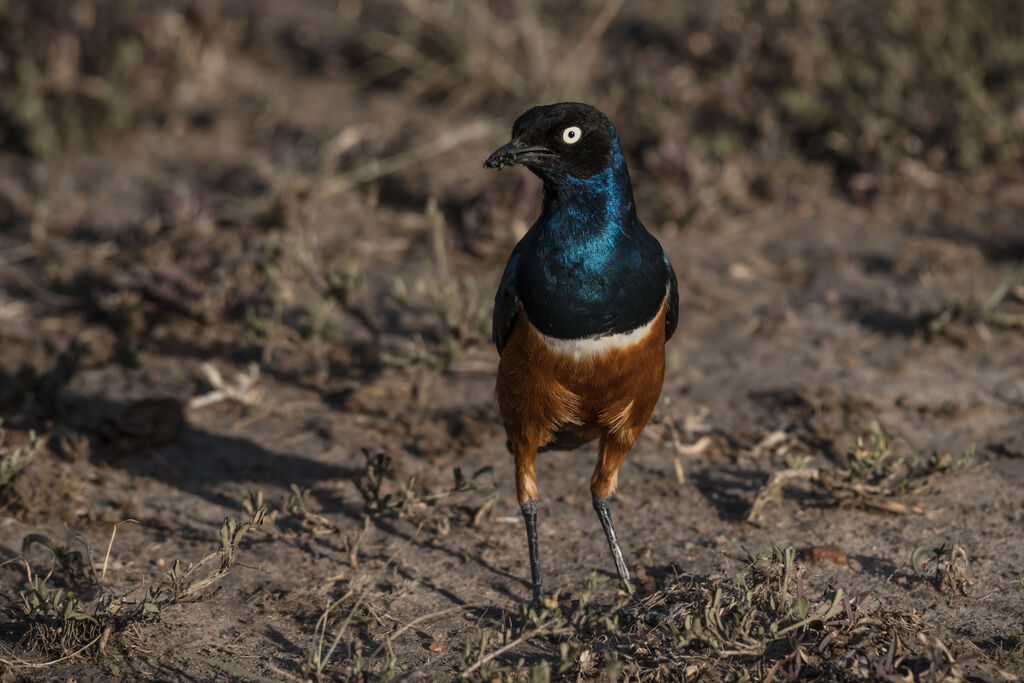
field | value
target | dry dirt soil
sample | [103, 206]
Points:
[273, 288]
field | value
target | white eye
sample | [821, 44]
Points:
[572, 135]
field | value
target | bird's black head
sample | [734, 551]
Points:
[569, 138]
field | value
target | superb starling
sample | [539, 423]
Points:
[585, 306]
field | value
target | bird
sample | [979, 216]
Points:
[585, 306]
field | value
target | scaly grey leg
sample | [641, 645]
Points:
[601, 507]
[529, 509]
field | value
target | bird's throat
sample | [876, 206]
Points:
[578, 208]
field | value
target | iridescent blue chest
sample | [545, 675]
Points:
[588, 266]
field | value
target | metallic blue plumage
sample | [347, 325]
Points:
[588, 266]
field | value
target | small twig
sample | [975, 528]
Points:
[696, 448]
[778, 665]
[890, 506]
[681, 449]
[529, 635]
[772, 488]
[106, 558]
[243, 390]
[353, 546]
[341, 630]
[478, 516]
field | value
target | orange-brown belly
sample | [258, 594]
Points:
[604, 387]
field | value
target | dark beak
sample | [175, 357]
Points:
[515, 152]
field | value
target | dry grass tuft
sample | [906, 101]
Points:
[760, 624]
[873, 479]
[85, 613]
[948, 571]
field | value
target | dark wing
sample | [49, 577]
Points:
[672, 314]
[506, 303]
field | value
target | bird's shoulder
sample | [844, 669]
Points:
[506, 300]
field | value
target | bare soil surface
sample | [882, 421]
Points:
[321, 248]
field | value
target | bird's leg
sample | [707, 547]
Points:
[529, 509]
[602, 486]
[601, 507]
[526, 490]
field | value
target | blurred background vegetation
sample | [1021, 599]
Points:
[308, 127]
[859, 88]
